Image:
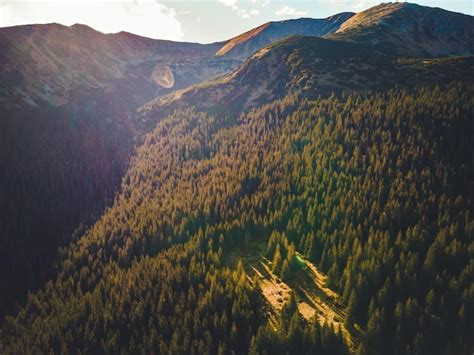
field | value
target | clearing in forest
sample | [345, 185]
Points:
[316, 301]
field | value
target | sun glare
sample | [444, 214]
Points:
[145, 17]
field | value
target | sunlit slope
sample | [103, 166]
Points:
[353, 163]
[365, 187]
[310, 66]
[244, 45]
[411, 30]
[43, 64]
[316, 302]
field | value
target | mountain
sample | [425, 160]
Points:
[337, 224]
[316, 199]
[68, 128]
[42, 64]
[244, 45]
[401, 29]
[308, 67]
[411, 30]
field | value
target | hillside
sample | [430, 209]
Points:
[67, 130]
[310, 67]
[411, 30]
[398, 29]
[43, 63]
[366, 187]
[316, 198]
[244, 45]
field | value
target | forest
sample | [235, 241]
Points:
[373, 188]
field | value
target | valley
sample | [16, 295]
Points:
[304, 187]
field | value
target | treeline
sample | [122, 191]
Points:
[375, 189]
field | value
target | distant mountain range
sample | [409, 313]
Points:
[309, 67]
[76, 103]
[411, 30]
[398, 28]
[45, 64]
[244, 45]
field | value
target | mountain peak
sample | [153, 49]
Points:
[411, 30]
[85, 31]
[83, 27]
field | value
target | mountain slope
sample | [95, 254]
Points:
[73, 84]
[373, 189]
[244, 45]
[349, 162]
[308, 66]
[67, 130]
[411, 30]
[43, 63]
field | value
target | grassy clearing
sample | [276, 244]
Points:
[316, 301]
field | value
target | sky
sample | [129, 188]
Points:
[201, 21]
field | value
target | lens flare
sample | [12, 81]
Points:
[163, 76]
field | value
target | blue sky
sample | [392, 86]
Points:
[186, 20]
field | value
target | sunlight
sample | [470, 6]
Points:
[144, 17]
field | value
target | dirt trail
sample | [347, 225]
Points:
[316, 301]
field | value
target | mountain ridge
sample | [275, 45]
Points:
[46, 61]
[244, 45]
[411, 30]
[307, 66]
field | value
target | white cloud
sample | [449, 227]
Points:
[243, 14]
[265, 3]
[228, 3]
[289, 11]
[185, 12]
[148, 18]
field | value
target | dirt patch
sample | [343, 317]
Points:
[275, 294]
[306, 311]
[316, 301]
